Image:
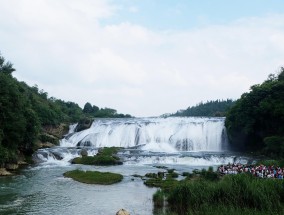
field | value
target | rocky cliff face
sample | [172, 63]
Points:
[4, 172]
[84, 124]
[51, 135]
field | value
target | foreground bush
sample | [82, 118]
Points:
[230, 195]
[94, 177]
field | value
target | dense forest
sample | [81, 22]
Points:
[94, 111]
[256, 121]
[25, 112]
[217, 108]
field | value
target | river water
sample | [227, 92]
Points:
[181, 143]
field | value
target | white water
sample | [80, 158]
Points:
[192, 141]
[153, 134]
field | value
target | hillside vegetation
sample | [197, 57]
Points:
[217, 108]
[27, 113]
[256, 121]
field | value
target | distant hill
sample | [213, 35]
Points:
[217, 108]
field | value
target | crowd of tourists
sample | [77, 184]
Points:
[260, 171]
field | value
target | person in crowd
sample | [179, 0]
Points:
[260, 171]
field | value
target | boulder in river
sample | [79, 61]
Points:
[11, 166]
[84, 152]
[122, 212]
[4, 172]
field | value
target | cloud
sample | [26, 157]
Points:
[63, 47]
[133, 9]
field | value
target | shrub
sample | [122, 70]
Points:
[274, 145]
[242, 191]
[96, 160]
[173, 175]
[104, 157]
[209, 174]
[158, 199]
[171, 170]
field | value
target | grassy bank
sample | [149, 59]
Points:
[231, 194]
[94, 177]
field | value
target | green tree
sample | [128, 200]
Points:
[95, 109]
[217, 108]
[88, 109]
[25, 111]
[257, 114]
[6, 67]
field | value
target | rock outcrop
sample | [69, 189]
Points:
[4, 172]
[122, 212]
[41, 145]
[11, 166]
[84, 153]
[84, 124]
[57, 131]
[51, 135]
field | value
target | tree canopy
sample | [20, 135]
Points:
[215, 108]
[256, 121]
[94, 111]
[25, 111]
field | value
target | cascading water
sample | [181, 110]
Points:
[193, 141]
[153, 134]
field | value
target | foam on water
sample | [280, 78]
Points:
[60, 156]
[206, 160]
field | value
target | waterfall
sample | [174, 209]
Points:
[153, 134]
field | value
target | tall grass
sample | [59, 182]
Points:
[230, 195]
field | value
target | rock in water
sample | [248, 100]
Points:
[122, 212]
[11, 166]
[4, 172]
[84, 153]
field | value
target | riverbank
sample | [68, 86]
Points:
[209, 192]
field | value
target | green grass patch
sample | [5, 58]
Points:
[100, 160]
[165, 184]
[105, 157]
[94, 177]
[108, 151]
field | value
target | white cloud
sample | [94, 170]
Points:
[133, 9]
[62, 47]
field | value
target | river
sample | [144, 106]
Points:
[181, 143]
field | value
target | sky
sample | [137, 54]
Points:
[143, 57]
